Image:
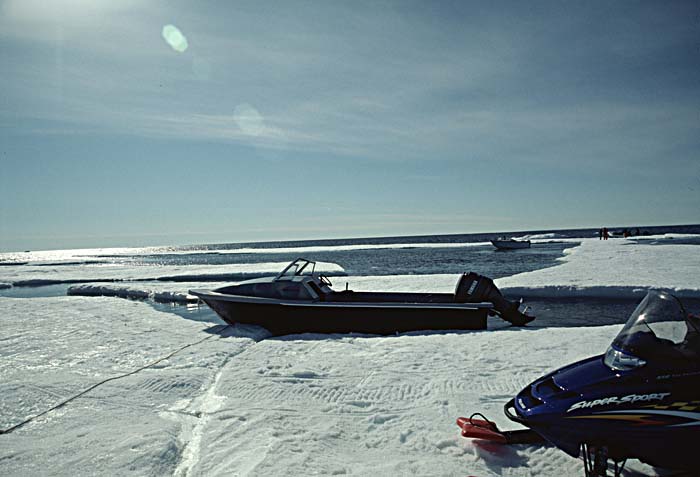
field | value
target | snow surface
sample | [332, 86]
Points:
[237, 404]
[242, 403]
[616, 268]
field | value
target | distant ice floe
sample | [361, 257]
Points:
[104, 255]
[174, 288]
[664, 236]
[545, 237]
[72, 254]
[132, 293]
[343, 248]
[615, 268]
[305, 251]
[35, 276]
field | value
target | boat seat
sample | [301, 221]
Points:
[314, 286]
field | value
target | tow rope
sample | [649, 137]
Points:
[113, 378]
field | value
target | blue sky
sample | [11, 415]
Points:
[320, 119]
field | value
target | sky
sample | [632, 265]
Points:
[130, 123]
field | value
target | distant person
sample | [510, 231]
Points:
[606, 235]
[600, 234]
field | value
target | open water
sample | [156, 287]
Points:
[419, 255]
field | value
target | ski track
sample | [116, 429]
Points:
[208, 403]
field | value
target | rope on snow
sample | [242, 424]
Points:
[113, 378]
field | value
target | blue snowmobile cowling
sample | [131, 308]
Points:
[641, 399]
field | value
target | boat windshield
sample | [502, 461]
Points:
[300, 266]
[659, 331]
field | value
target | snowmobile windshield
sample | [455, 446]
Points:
[658, 332]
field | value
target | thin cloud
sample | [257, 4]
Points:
[385, 83]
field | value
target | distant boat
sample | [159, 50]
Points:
[503, 243]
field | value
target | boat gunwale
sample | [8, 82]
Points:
[213, 295]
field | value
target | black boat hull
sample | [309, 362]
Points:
[292, 318]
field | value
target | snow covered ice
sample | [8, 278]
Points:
[286, 406]
[243, 403]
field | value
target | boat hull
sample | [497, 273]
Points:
[510, 244]
[318, 317]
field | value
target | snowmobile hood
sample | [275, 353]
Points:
[554, 393]
[583, 373]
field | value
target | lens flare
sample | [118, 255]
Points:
[174, 37]
[249, 120]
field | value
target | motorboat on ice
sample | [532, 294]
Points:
[301, 300]
[503, 243]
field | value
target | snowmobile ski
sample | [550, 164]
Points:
[475, 428]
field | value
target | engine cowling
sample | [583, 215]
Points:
[475, 288]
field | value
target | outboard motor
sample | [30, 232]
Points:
[475, 288]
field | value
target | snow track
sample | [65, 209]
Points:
[201, 409]
[316, 404]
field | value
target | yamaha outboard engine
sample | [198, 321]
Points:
[475, 288]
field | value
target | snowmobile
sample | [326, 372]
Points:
[640, 400]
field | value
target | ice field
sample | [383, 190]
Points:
[238, 402]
